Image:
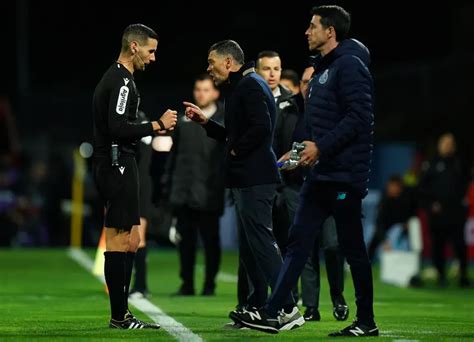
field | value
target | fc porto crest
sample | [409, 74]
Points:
[324, 77]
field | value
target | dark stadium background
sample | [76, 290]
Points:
[55, 52]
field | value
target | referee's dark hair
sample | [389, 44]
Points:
[334, 16]
[229, 48]
[137, 32]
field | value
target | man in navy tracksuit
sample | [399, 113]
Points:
[339, 120]
[250, 169]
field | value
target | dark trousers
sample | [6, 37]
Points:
[447, 227]
[259, 255]
[311, 275]
[189, 223]
[319, 200]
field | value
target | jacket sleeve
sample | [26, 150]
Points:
[119, 126]
[215, 130]
[356, 94]
[259, 125]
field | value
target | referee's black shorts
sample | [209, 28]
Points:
[118, 187]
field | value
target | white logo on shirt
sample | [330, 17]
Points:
[122, 100]
[324, 77]
[122, 169]
[126, 80]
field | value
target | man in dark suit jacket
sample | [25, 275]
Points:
[250, 167]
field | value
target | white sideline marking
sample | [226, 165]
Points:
[173, 327]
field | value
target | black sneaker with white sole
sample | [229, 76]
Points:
[128, 323]
[357, 329]
[256, 319]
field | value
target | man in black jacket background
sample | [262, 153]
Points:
[195, 181]
[443, 187]
[250, 168]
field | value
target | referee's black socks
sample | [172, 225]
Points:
[114, 271]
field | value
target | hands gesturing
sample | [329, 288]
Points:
[195, 113]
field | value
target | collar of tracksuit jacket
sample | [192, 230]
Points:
[345, 47]
[236, 76]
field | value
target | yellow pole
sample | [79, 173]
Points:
[77, 209]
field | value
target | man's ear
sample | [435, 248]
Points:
[228, 62]
[133, 46]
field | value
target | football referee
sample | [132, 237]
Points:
[117, 131]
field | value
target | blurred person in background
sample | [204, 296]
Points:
[140, 285]
[443, 185]
[397, 206]
[290, 80]
[117, 131]
[195, 179]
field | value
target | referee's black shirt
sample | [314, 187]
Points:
[115, 105]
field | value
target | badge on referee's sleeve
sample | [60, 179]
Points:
[122, 100]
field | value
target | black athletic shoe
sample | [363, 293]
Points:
[256, 319]
[137, 323]
[357, 329]
[311, 314]
[131, 323]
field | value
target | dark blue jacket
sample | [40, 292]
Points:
[339, 115]
[249, 124]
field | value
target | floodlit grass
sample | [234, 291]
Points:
[46, 296]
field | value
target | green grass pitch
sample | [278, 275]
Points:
[46, 296]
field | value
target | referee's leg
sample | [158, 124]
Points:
[117, 242]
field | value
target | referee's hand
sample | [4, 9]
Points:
[168, 120]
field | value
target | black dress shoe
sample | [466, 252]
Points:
[340, 309]
[311, 314]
